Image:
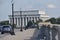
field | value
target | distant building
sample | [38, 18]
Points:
[34, 15]
[43, 15]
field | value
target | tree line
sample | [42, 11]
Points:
[54, 20]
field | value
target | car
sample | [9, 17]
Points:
[6, 29]
[0, 28]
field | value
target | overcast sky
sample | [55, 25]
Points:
[51, 7]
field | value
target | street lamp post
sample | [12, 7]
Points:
[21, 20]
[13, 33]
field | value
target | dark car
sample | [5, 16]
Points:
[6, 29]
[0, 28]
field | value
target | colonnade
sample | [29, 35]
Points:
[25, 19]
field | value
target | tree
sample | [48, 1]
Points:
[4, 22]
[58, 20]
[29, 24]
[40, 20]
[52, 20]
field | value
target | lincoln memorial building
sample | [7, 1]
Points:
[26, 16]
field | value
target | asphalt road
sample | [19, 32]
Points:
[6, 34]
[26, 34]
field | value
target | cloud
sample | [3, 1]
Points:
[51, 6]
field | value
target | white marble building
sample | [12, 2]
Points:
[27, 16]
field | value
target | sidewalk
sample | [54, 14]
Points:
[25, 35]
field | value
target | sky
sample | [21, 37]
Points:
[51, 7]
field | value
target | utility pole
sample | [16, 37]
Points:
[21, 20]
[13, 33]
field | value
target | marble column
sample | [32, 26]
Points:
[23, 21]
[27, 19]
[19, 22]
[11, 21]
[33, 19]
[16, 20]
[36, 19]
[30, 18]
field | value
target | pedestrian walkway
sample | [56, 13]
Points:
[25, 35]
[32, 34]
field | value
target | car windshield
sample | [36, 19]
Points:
[5, 26]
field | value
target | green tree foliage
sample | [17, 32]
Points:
[4, 22]
[13, 25]
[29, 23]
[39, 21]
[58, 20]
[52, 20]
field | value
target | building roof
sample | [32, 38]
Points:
[27, 11]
